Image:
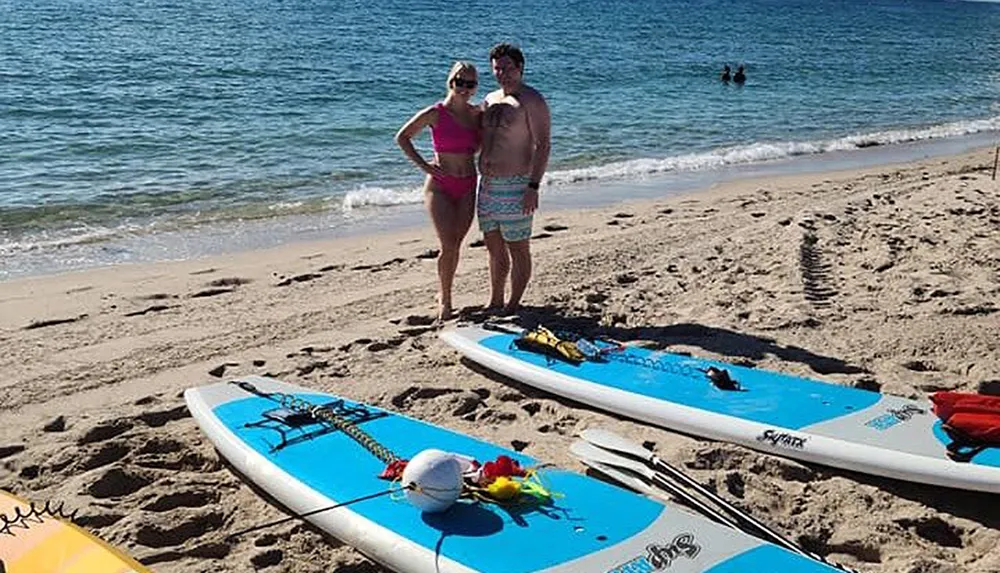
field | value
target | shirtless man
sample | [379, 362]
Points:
[515, 153]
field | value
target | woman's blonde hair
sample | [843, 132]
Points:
[459, 67]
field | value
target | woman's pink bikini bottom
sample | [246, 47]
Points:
[455, 187]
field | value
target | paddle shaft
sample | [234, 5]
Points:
[740, 515]
[664, 485]
[613, 465]
[763, 530]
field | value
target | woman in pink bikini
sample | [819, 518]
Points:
[451, 177]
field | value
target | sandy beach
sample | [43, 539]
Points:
[886, 276]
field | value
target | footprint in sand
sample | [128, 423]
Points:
[735, 484]
[935, 530]
[58, 424]
[98, 520]
[178, 529]
[229, 282]
[564, 426]
[379, 346]
[415, 332]
[920, 366]
[157, 296]
[719, 458]
[174, 457]
[781, 468]
[8, 451]
[104, 455]
[105, 431]
[219, 370]
[464, 404]
[404, 399]
[531, 408]
[378, 267]
[211, 292]
[157, 418]
[490, 416]
[868, 551]
[118, 482]
[193, 498]
[268, 558]
[149, 309]
[305, 277]
[53, 322]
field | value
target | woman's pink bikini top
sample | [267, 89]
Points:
[449, 136]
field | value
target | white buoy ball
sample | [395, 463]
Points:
[434, 480]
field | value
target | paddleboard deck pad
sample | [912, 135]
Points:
[36, 539]
[586, 526]
[777, 413]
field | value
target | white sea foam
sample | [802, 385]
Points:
[765, 151]
[381, 197]
[637, 169]
[52, 240]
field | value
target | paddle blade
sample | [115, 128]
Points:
[626, 479]
[589, 451]
[614, 442]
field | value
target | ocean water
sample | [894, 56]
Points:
[127, 128]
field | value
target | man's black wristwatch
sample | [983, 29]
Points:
[533, 185]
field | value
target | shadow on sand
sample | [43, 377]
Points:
[745, 349]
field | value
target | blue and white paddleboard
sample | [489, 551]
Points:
[776, 413]
[589, 526]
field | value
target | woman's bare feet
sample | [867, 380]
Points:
[446, 313]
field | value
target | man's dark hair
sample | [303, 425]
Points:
[509, 50]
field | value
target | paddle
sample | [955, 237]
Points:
[611, 442]
[587, 451]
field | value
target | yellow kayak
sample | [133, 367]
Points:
[43, 543]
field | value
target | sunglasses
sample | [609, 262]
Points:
[468, 84]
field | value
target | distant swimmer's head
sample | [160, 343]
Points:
[463, 79]
[508, 64]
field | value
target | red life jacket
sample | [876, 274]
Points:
[973, 418]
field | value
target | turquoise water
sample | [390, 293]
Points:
[144, 121]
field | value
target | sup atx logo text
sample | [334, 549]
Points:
[782, 439]
[660, 557]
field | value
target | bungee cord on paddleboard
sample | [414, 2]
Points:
[433, 480]
[35, 514]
